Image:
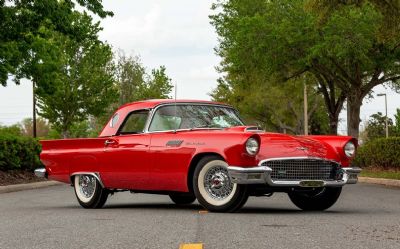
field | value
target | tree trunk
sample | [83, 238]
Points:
[333, 123]
[334, 100]
[65, 133]
[354, 102]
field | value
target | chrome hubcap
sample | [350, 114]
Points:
[87, 185]
[217, 183]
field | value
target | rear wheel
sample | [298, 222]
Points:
[317, 200]
[89, 192]
[182, 198]
[213, 187]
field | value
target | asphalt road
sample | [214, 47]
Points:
[366, 216]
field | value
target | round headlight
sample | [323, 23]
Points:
[252, 146]
[350, 149]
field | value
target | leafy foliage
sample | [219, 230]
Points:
[18, 152]
[79, 76]
[263, 41]
[13, 130]
[379, 153]
[376, 126]
[22, 23]
[134, 83]
[388, 8]
[42, 126]
[274, 106]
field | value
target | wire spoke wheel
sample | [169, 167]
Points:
[89, 191]
[87, 185]
[213, 187]
[217, 183]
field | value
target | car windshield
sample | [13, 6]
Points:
[180, 116]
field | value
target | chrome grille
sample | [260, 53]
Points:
[302, 169]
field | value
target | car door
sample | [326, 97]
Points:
[170, 154]
[126, 159]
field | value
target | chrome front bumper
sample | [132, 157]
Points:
[41, 172]
[262, 175]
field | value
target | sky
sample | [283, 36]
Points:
[173, 33]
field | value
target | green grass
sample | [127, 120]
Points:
[375, 173]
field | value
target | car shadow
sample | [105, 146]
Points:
[245, 210]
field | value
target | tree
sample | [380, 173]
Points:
[158, 85]
[345, 52]
[22, 22]
[134, 83]
[130, 75]
[14, 130]
[390, 9]
[396, 128]
[79, 76]
[42, 127]
[274, 106]
[376, 125]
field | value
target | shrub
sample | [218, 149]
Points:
[381, 153]
[18, 152]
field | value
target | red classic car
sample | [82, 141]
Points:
[199, 150]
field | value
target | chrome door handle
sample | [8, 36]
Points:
[108, 142]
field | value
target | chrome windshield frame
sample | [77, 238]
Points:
[154, 110]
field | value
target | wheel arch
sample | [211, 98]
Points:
[193, 163]
[95, 174]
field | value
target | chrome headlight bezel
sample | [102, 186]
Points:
[252, 146]
[349, 149]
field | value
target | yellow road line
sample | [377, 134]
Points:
[191, 246]
[203, 212]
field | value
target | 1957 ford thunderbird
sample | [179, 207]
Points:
[199, 150]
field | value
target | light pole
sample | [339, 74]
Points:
[386, 116]
[305, 110]
[34, 110]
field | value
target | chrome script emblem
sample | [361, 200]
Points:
[302, 148]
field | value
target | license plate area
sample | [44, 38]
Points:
[311, 184]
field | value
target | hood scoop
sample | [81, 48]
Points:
[254, 129]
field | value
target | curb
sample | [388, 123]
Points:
[380, 181]
[26, 186]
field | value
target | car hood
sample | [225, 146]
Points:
[277, 145]
[280, 145]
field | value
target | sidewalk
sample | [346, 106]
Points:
[380, 181]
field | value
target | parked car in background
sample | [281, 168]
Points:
[202, 150]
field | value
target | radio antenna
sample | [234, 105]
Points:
[175, 109]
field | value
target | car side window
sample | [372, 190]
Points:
[165, 119]
[134, 123]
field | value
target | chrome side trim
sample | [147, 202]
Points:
[95, 174]
[41, 172]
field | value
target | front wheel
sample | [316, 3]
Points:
[316, 200]
[89, 192]
[213, 187]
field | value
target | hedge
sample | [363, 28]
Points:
[381, 153]
[17, 152]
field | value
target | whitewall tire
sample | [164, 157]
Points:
[89, 192]
[213, 187]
